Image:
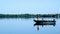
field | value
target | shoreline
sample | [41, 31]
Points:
[29, 15]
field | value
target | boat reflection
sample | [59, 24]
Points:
[44, 23]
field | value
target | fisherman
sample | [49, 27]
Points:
[42, 18]
[53, 19]
[38, 17]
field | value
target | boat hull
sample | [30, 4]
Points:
[44, 22]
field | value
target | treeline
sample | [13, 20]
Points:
[17, 16]
[29, 15]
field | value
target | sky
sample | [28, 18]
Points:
[29, 6]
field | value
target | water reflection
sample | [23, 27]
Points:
[44, 22]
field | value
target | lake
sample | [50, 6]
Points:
[26, 26]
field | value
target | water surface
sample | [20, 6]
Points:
[26, 26]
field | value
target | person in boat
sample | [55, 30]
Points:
[42, 18]
[53, 19]
[38, 17]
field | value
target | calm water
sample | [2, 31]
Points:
[26, 26]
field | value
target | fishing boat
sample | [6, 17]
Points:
[45, 22]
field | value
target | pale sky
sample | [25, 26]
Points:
[29, 6]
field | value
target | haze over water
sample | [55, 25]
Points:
[29, 6]
[26, 26]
